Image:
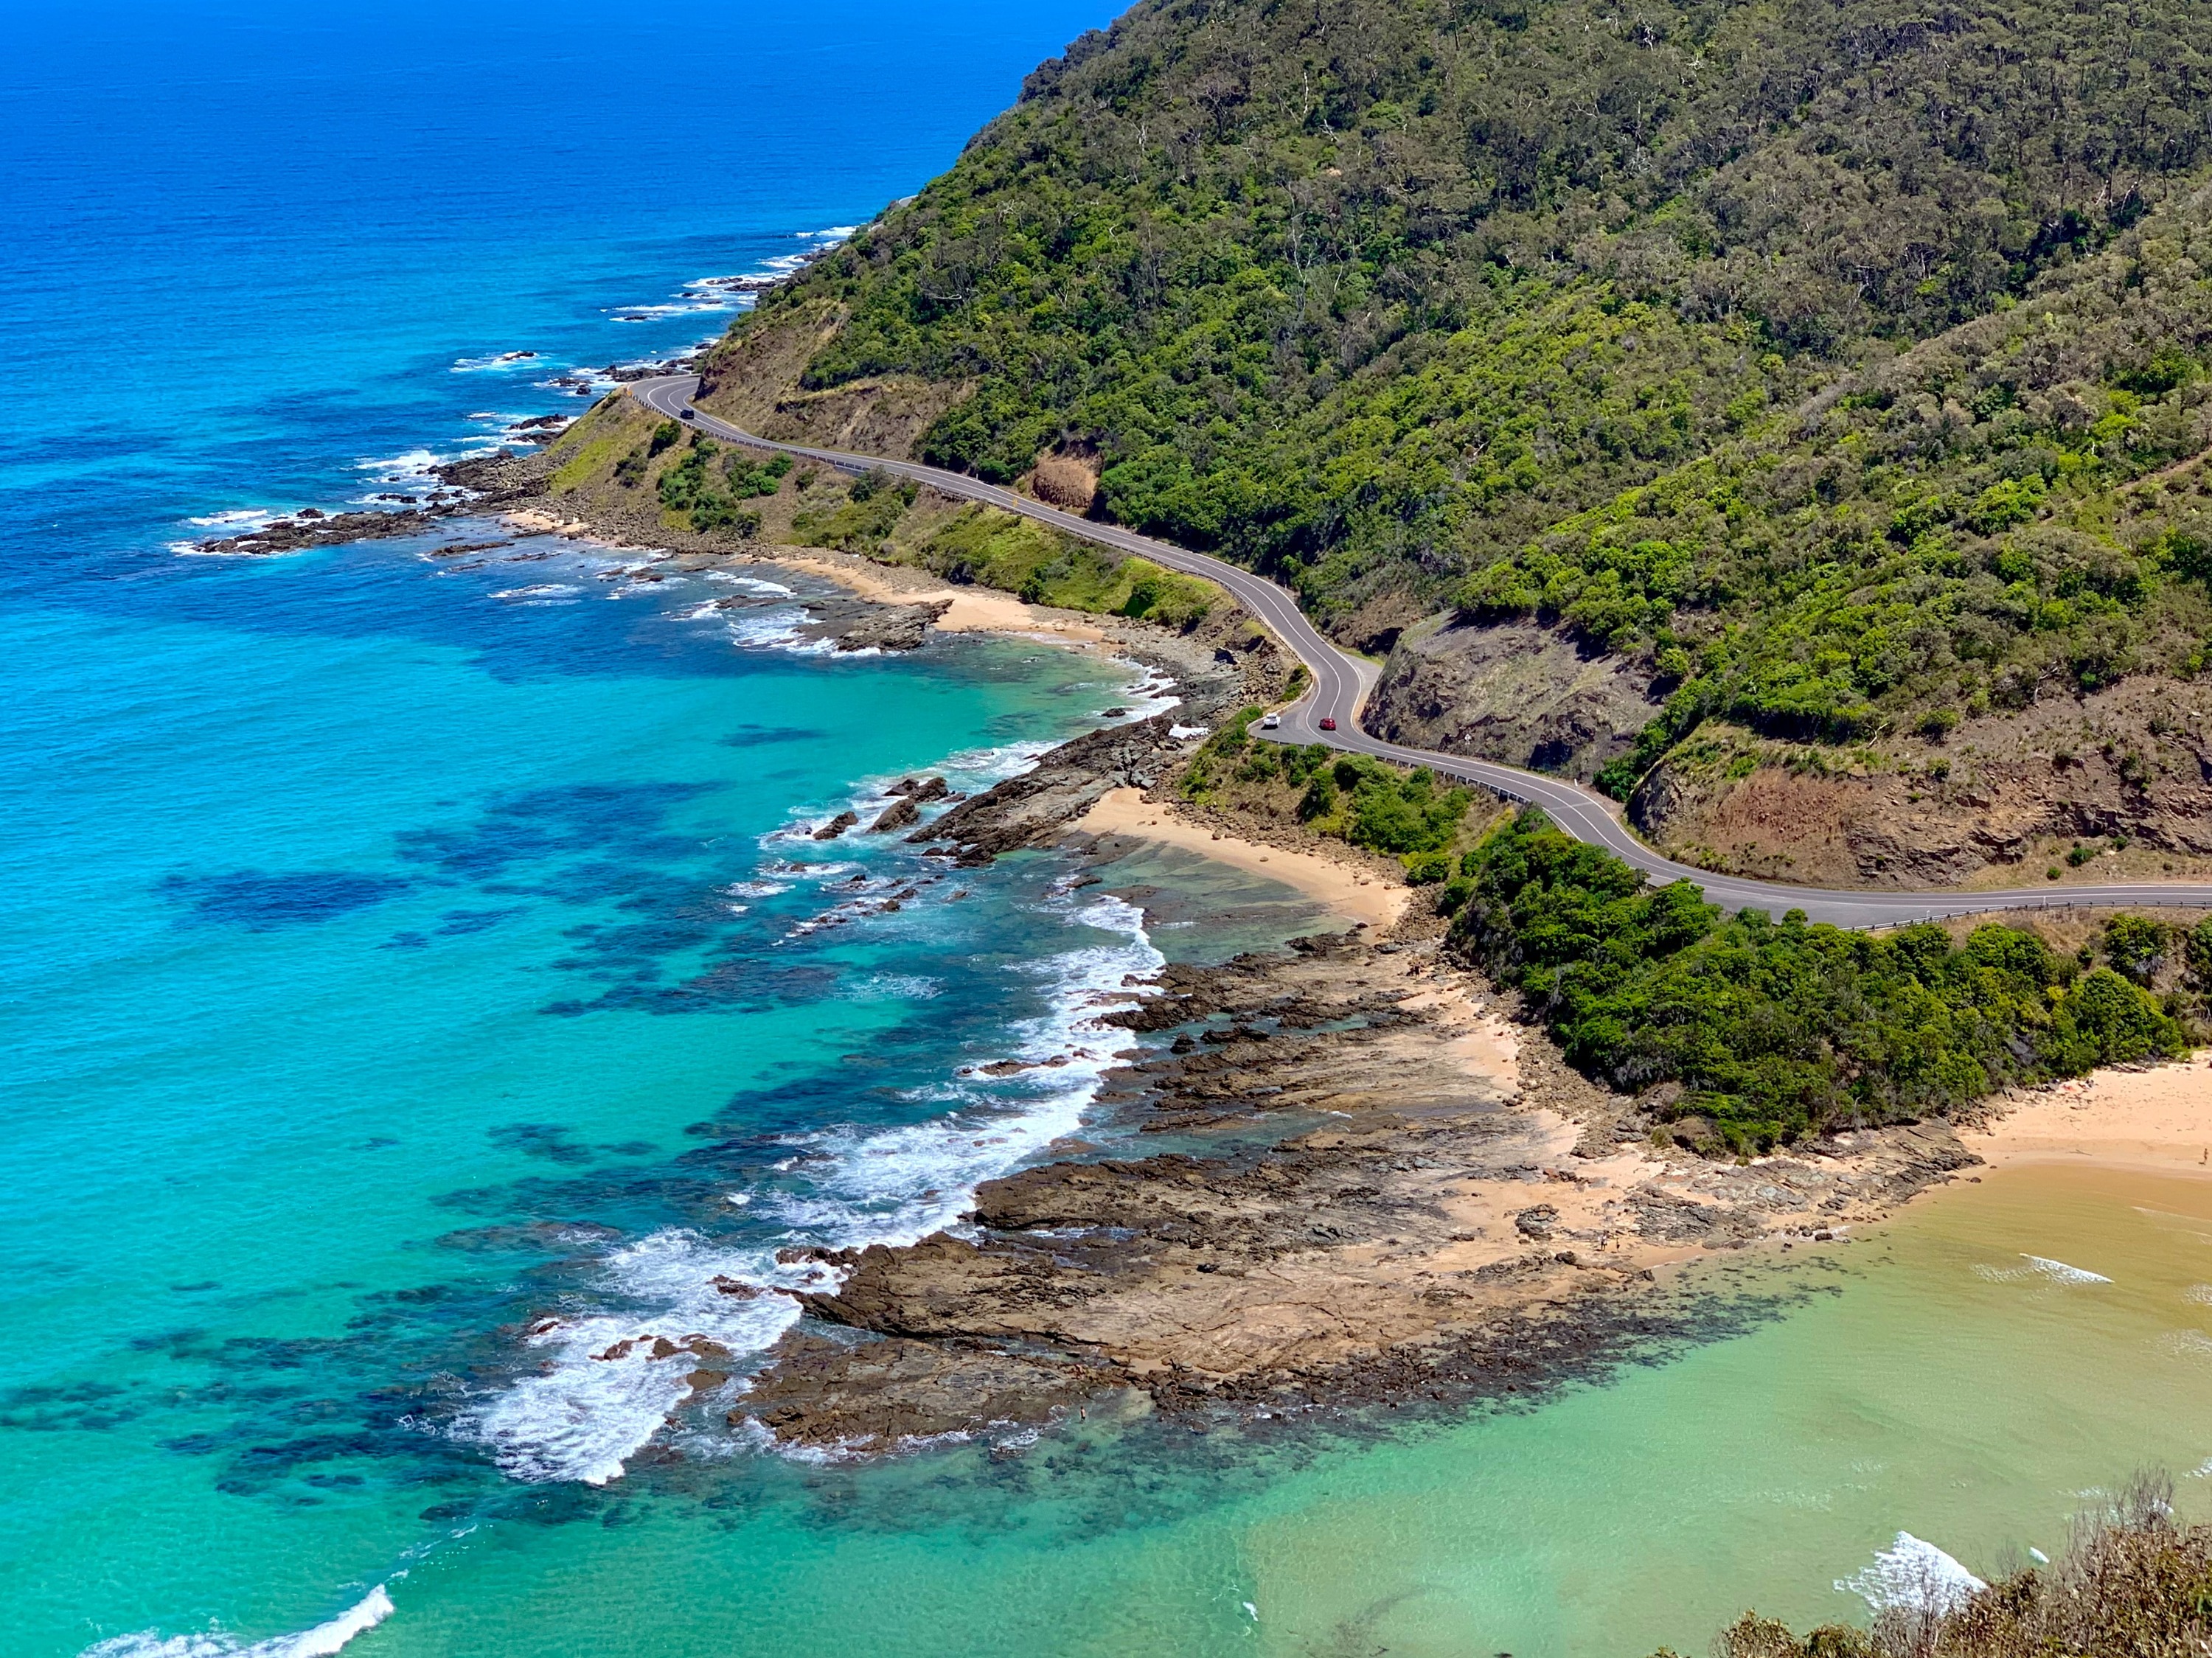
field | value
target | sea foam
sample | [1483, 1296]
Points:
[319, 1642]
[1910, 1575]
[610, 1381]
[2042, 1267]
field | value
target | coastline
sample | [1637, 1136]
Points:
[966, 609]
[1385, 1189]
[1359, 889]
[2156, 1120]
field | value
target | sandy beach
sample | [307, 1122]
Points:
[973, 610]
[1355, 894]
[2157, 1119]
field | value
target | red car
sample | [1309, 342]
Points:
[1328, 724]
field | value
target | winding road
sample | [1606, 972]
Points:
[1342, 681]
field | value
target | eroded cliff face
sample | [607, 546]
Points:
[751, 377]
[1517, 692]
[2001, 801]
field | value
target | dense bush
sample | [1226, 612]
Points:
[1375, 292]
[1372, 806]
[1937, 538]
[858, 523]
[688, 488]
[1772, 1031]
[749, 479]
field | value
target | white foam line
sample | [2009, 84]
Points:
[499, 360]
[2059, 1272]
[320, 1641]
[612, 1379]
[1912, 1573]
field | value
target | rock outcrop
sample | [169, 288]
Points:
[1031, 810]
[1517, 692]
[1372, 1202]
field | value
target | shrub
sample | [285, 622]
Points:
[1426, 869]
[1774, 1029]
[2136, 947]
[856, 525]
[2199, 952]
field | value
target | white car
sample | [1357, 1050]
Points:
[1271, 722]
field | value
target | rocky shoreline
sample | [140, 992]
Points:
[1337, 1176]
[1373, 1191]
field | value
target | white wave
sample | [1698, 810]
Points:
[611, 1379]
[241, 517]
[201, 550]
[756, 889]
[750, 584]
[319, 1642]
[779, 630]
[894, 1186]
[896, 987]
[542, 590]
[417, 468]
[979, 768]
[1911, 1574]
[2199, 1293]
[2059, 1272]
[2056, 1272]
[509, 361]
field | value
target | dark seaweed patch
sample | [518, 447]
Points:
[457, 923]
[543, 824]
[749, 736]
[547, 1141]
[260, 901]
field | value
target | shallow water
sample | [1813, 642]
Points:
[1929, 1383]
[408, 995]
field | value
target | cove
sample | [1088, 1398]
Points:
[1933, 1382]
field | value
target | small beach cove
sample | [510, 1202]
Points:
[1944, 1378]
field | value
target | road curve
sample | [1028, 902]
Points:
[1342, 681]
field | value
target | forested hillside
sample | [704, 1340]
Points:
[1789, 353]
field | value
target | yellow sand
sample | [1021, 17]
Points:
[975, 609]
[1351, 894]
[548, 524]
[2156, 1120]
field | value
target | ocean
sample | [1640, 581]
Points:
[420, 979]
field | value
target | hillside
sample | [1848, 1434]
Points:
[1627, 370]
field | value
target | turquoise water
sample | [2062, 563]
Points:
[425, 955]
[413, 986]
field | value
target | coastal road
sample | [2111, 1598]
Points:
[1342, 683]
